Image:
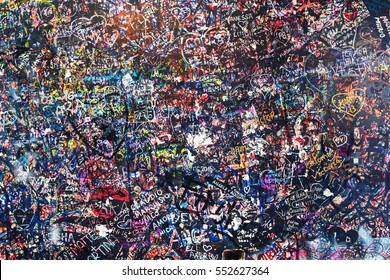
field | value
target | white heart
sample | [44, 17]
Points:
[207, 248]
[340, 140]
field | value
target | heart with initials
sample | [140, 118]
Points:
[198, 49]
[282, 34]
[180, 13]
[338, 235]
[340, 140]
[263, 84]
[23, 217]
[349, 103]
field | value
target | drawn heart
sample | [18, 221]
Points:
[194, 49]
[197, 48]
[340, 140]
[207, 248]
[23, 218]
[180, 13]
[337, 234]
[349, 103]
[242, 23]
[282, 35]
[263, 84]
[125, 223]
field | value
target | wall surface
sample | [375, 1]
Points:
[151, 129]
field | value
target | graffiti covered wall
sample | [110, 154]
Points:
[152, 129]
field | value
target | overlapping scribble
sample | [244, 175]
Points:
[167, 129]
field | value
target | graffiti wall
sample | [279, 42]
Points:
[167, 129]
